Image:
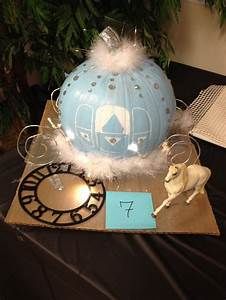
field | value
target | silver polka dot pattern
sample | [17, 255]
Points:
[76, 77]
[156, 86]
[137, 87]
[93, 83]
[111, 86]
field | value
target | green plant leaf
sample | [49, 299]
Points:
[92, 8]
[80, 15]
[5, 117]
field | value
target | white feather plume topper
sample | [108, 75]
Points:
[126, 57]
[102, 167]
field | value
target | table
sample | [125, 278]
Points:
[60, 264]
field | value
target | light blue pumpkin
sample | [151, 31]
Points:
[116, 114]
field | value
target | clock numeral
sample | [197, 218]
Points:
[59, 168]
[30, 185]
[68, 168]
[57, 217]
[34, 180]
[92, 182]
[39, 211]
[31, 203]
[93, 208]
[97, 196]
[38, 175]
[28, 199]
[75, 217]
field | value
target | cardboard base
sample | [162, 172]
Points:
[179, 218]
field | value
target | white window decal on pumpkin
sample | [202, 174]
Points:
[133, 147]
[141, 122]
[83, 122]
[109, 115]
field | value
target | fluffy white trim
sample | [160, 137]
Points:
[127, 57]
[182, 122]
[102, 167]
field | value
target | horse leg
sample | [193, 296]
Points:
[198, 189]
[196, 192]
[164, 203]
[169, 201]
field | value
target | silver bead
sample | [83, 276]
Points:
[111, 86]
[113, 140]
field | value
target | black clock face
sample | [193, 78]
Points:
[59, 195]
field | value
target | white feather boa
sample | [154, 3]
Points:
[104, 167]
[182, 122]
[125, 58]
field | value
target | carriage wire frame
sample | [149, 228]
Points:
[170, 145]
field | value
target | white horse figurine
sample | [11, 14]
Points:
[181, 178]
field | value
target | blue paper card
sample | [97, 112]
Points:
[129, 210]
